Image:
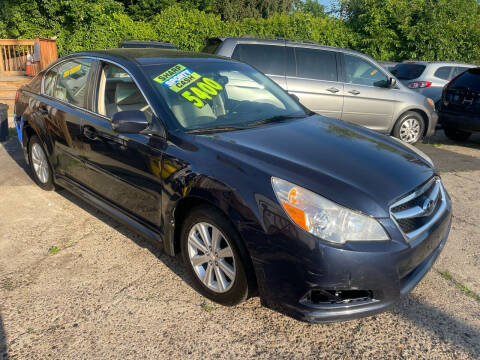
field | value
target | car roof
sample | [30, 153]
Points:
[159, 44]
[286, 41]
[147, 56]
[444, 63]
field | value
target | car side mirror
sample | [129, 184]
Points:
[129, 121]
[392, 82]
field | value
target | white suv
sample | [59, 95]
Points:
[428, 78]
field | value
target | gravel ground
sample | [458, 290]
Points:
[102, 292]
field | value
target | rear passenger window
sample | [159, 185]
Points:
[443, 72]
[269, 59]
[316, 64]
[118, 92]
[68, 81]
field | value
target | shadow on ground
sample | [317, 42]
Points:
[3, 341]
[441, 151]
[175, 264]
[439, 323]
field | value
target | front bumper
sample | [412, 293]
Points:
[386, 271]
[432, 123]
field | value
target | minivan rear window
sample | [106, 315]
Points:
[407, 71]
[316, 64]
[469, 79]
[269, 59]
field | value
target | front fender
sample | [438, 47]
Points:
[206, 190]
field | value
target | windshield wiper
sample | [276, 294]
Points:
[215, 129]
[277, 118]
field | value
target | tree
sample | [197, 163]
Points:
[311, 7]
[239, 9]
[415, 29]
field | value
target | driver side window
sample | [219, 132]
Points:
[118, 92]
[361, 72]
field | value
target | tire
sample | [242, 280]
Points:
[456, 135]
[409, 127]
[41, 169]
[234, 291]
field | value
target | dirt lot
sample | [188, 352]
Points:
[75, 284]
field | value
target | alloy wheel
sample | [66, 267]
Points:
[212, 257]
[410, 130]
[40, 163]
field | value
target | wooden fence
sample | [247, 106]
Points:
[13, 54]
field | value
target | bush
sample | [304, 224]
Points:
[385, 29]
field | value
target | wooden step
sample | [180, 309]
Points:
[8, 91]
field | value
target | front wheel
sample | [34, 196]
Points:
[41, 169]
[456, 135]
[409, 128]
[211, 251]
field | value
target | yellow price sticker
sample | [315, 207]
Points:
[72, 71]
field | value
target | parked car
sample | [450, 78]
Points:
[460, 106]
[428, 78]
[210, 158]
[136, 44]
[388, 65]
[337, 83]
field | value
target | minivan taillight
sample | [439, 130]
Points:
[419, 84]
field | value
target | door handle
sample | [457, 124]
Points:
[89, 132]
[333, 90]
[354, 92]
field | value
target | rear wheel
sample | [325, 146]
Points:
[456, 135]
[211, 251]
[409, 128]
[41, 169]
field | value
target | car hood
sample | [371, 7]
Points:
[353, 166]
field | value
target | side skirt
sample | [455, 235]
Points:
[110, 209]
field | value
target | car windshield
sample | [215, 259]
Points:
[218, 94]
[408, 71]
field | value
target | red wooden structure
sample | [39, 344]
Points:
[13, 54]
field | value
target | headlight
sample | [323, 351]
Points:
[323, 218]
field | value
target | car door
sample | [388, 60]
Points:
[313, 76]
[124, 169]
[368, 99]
[62, 108]
[267, 58]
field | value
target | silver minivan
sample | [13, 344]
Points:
[338, 83]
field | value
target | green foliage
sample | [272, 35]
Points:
[416, 29]
[311, 7]
[385, 29]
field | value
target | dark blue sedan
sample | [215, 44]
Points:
[323, 220]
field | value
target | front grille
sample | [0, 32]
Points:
[419, 210]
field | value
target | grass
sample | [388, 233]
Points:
[208, 307]
[9, 285]
[54, 250]
[464, 288]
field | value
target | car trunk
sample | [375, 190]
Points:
[463, 93]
